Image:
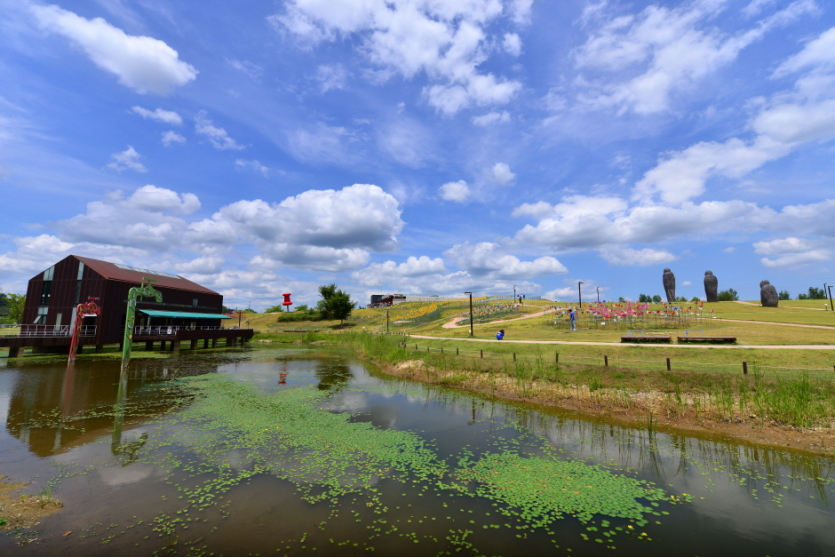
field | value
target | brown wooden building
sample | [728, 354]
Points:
[53, 295]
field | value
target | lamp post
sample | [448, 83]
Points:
[598, 294]
[831, 308]
[580, 293]
[471, 312]
[514, 293]
[824, 293]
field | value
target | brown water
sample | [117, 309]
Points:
[121, 453]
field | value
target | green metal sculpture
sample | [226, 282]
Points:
[144, 291]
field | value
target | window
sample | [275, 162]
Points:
[47, 275]
[80, 271]
[77, 291]
[46, 292]
[194, 303]
[41, 318]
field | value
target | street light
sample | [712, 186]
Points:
[580, 293]
[471, 312]
[598, 294]
[830, 299]
[824, 293]
[514, 293]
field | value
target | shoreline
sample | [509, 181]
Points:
[603, 404]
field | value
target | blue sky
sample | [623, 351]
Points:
[422, 146]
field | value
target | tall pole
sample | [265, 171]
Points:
[598, 294]
[387, 320]
[514, 293]
[830, 299]
[824, 292]
[580, 293]
[471, 312]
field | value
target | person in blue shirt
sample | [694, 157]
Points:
[500, 335]
[573, 318]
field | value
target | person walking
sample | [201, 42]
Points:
[573, 318]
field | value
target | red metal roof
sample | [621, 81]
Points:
[127, 273]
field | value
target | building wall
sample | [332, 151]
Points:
[112, 299]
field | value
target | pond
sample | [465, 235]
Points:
[309, 451]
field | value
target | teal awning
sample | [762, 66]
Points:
[183, 314]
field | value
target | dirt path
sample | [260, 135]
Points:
[452, 324]
[590, 343]
[788, 307]
[829, 327]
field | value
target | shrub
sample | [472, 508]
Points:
[729, 295]
[299, 316]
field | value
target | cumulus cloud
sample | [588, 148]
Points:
[141, 63]
[661, 51]
[217, 136]
[160, 115]
[455, 191]
[636, 258]
[159, 200]
[792, 252]
[318, 229]
[206, 265]
[170, 136]
[390, 271]
[570, 293]
[491, 260]
[502, 173]
[492, 118]
[446, 41]
[127, 159]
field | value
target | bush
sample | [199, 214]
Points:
[294, 316]
[784, 295]
[656, 299]
[814, 294]
[695, 299]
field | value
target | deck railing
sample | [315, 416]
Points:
[170, 330]
[43, 331]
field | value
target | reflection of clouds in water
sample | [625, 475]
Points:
[115, 476]
[239, 460]
[349, 402]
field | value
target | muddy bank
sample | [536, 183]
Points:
[23, 510]
[637, 408]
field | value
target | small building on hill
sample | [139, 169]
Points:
[188, 311]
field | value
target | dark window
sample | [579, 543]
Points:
[77, 291]
[194, 302]
[46, 292]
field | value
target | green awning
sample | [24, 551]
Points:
[183, 314]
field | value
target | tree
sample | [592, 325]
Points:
[656, 299]
[784, 295]
[814, 294]
[326, 291]
[644, 299]
[302, 307]
[729, 295]
[680, 299]
[695, 299]
[16, 304]
[340, 306]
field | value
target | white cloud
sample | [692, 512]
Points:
[217, 136]
[686, 283]
[492, 118]
[502, 173]
[152, 198]
[573, 206]
[445, 40]
[206, 265]
[142, 63]
[322, 143]
[160, 115]
[251, 69]
[520, 11]
[490, 260]
[729, 249]
[127, 159]
[682, 175]
[570, 293]
[633, 257]
[792, 252]
[390, 271]
[253, 165]
[455, 191]
[661, 51]
[512, 44]
[317, 229]
[331, 76]
[170, 136]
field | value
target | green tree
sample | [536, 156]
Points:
[644, 299]
[326, 291]
[656, 299]
[340, 306]
[680, 299]
[695, 299]
[17, 302]
[784, 295]
[302, 307]
[814, 294]
[729, 295]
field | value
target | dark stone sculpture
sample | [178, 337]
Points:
[768, 295]
[670, 285]
[711, 287]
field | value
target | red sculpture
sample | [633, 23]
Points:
[88, 308]
[287, 301]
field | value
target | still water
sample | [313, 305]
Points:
[300, 451]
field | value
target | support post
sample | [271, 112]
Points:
[214, 343]
[669, 366]
[194, 344]
[557, 358]
[15, 352]
[606, 361]
[514, 356]
[745, 368]
[831, 307]
[99, 348]
[175, 345]
[149, 345]
[387, 321]
[481, 354]
[142, 291]
[162, 346]
[205, 343]
[456, 351]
